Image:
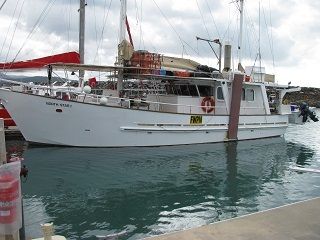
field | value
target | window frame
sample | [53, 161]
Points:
[219, 93]
[248, 93]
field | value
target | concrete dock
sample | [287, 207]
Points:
[298, 221]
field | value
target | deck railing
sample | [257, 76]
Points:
[140, 103]
[157, 106]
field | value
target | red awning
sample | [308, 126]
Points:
[69, 57]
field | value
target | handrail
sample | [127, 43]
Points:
[129, 101]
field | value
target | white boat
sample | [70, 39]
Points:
[192, 107]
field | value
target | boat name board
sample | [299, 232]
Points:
[66, 105]
[197, 119]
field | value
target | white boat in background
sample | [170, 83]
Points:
[189, 104]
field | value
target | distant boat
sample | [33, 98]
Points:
[189, 103]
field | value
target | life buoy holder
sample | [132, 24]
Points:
[207, 104]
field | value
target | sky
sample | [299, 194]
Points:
[289, 32]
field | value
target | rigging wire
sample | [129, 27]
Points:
[69, 24]
[226, 34]
[214, 22]
[251, 28]
[141, 39]
[14, 31]
[141, 30]
[12, 18]
[38, 22]
[202, 18]
[136, 8]
[4, 2]
[183, 42]
[259, 52]
[95, 22]
[105, 17]
[271, 33]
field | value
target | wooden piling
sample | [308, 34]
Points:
[235, 107]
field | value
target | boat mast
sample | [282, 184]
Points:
[123, 15]
[81, 39]
[240, 68]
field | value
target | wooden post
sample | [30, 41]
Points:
[3, 160]
[235, 107]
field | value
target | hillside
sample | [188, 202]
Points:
[308, 95]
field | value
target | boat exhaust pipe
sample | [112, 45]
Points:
[227, 57]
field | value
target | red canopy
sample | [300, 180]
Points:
[69, 57]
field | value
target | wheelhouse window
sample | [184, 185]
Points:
[193, 90]
[220, 93]
[205, 91]
[243, 95]
[182, 90]
[249, 95]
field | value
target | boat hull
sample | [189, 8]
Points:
[58, 122]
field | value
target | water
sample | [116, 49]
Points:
[150, 191]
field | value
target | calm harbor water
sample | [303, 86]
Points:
[150, 191]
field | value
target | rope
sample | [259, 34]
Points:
[183, 42]
[141, 40]
[5, 39]
[141, 33]
[105, 17]
[69, 25]
[38, 22]
[204, 23]
[214, 22]
[95, 21]
[271, 41]
[4, 2]
[14, 31]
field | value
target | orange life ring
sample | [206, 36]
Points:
[207, 104]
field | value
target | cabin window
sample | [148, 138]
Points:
[182, 90]
[220, 93]
[250, 95]
[243, 95]
[205, 91]
[169, 89]
[193, 90]
[59, 94]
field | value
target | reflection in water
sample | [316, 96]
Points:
[301, 153]
[147, 191]
[231, 183]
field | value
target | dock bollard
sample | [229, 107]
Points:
[48, 232]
